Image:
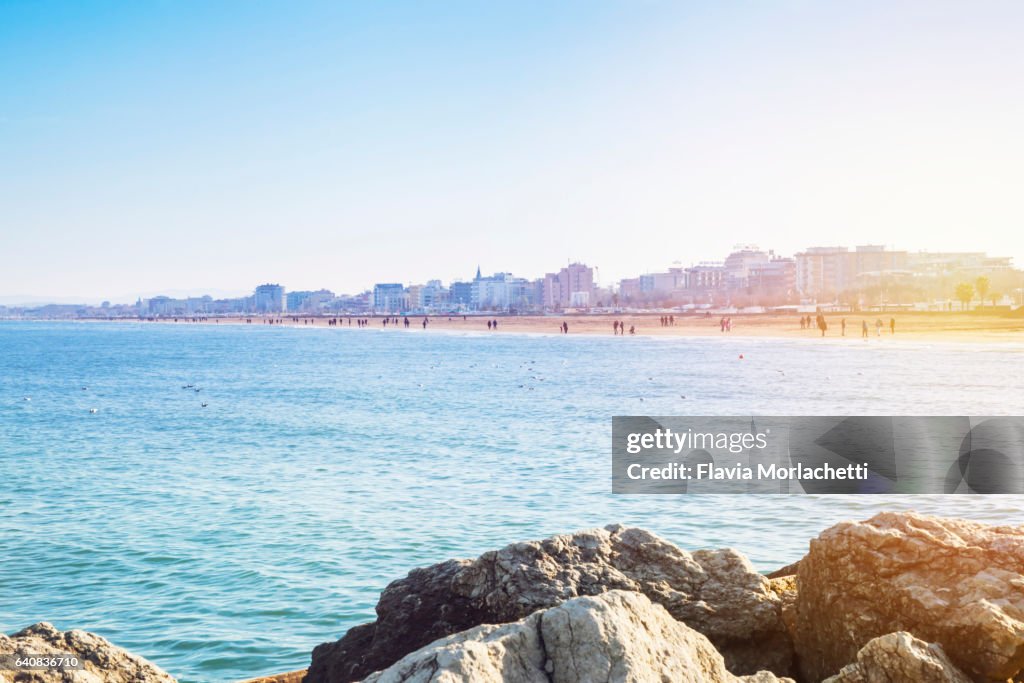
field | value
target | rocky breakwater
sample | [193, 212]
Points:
[716, 593]
[615, 636]
[101, 661]
[949, 582]
[898, 597]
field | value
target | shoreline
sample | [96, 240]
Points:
[968, 327]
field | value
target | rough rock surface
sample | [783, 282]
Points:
[951, 582]
[900, 657]
[619, 636]
[715, 592]
[290, 677]
[102, 661]
[788, 570]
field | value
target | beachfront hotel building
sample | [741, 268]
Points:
[570, 287]
[269, 298]
[501, 292]
[308, 302]
[389, 297]
[825, 273]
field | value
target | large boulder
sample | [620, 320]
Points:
[951, 582]
[101, 661]
[717, 593]
[900, 657]
[618, 637]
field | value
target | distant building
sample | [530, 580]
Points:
[773, 283]
[269, 298]
[501, 292]
[460, 294]
[942, 263]
[308, 302]
[740, 262]
[630, 291]
[433, 296]
[571, 287]
[165, 306]
[825, 273]
[389, 297]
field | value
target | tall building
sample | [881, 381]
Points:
[705, 282]
[461, 294]
[269, 298]
[571, 287]
[501, 292]
[389, 297]
[773, 282]
[825, 273]
[739, 263]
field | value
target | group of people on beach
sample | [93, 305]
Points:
[725, 324]
[619, 327]
[492, 324]
[668, 320]
[808, 323]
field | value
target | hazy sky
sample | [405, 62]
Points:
[149, 146]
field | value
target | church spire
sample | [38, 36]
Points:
[478, 272]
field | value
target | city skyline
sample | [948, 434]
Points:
[319, 143]
[748, 276]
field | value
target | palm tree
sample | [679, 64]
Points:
[964, 294]
[981, 285]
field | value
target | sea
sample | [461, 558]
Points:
[221, 498]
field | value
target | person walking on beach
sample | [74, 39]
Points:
[878, 327]
[822, 325]
[615, 327]
[632, 329]
[843, 324]
[892, 325]
[864, 329]
[488, 324]
[565, 328]
[495, 323]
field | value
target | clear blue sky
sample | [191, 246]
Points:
[169, 146]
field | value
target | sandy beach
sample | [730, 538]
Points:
[954, 326]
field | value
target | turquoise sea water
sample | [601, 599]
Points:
[225, 542]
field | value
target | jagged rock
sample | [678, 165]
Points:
[715, 592]
[785, 587]
[102, 661]
[900, 657]
[946, 581]
[617, 637]
[289, 677]
[788, 570]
